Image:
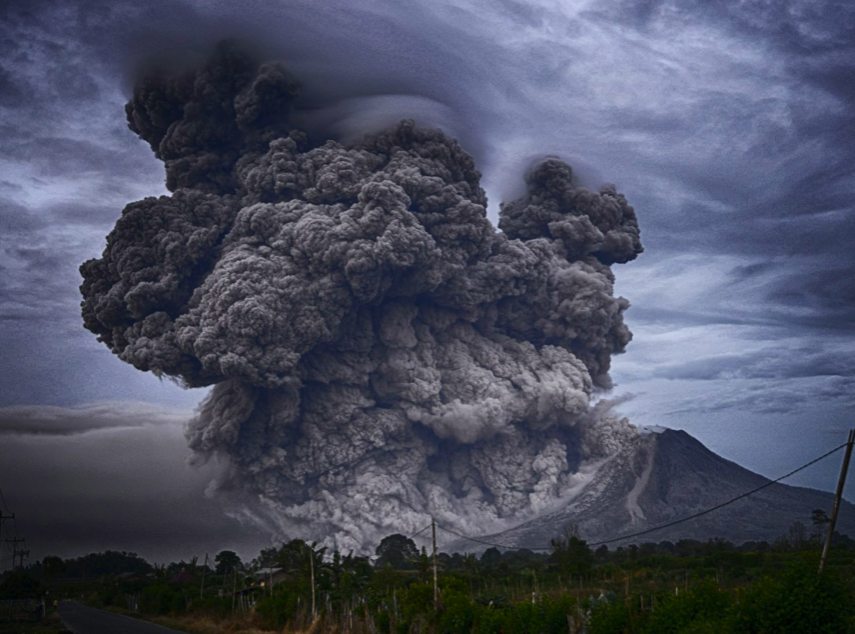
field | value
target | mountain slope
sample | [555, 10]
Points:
[661, 477]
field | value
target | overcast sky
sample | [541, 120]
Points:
[730, 126]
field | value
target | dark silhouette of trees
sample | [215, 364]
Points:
[571, 553]
[52, 566]
[819, 520]
[397, 551]
[226, 561]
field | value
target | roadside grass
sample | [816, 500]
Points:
[51, 624]
[207, 625]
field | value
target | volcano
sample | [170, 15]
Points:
[663, 476]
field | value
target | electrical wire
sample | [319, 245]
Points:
[419, 532]
[661, 526]
[723, 504]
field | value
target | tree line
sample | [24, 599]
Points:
[681, 587]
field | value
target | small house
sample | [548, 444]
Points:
[270, 576]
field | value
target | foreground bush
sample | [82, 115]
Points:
[796, 601]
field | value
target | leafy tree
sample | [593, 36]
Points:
[797, 535]
[491, 558]
[819, 520]
[397, 551]
[299, 556]
[688, 548]
[423, 565]
[52, 566]
[20, 585]
[571, 553]
[227, 560]
[267, 558]
[290, 556]
[105, 563]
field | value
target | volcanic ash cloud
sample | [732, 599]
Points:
[378, 351]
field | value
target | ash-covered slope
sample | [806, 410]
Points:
[661, 477]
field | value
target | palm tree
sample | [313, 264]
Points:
[423, 565]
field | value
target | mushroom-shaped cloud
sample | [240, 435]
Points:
[378, 351]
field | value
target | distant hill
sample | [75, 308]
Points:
[663, 476]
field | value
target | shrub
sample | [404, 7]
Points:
[795, 602]
[161, 599]
[458, 614]
[20, 585]
[705, 603]
[610, 618]
[278, 609]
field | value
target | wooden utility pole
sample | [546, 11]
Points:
[312, 569]
[843, 469]
[435, 576]
[3, 518]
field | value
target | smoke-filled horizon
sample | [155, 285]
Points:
[379, 353]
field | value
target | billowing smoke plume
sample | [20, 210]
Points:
[378, 351]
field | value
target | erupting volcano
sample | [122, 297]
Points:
[378, 351]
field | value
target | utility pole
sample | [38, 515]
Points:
[21, 555]
[312, 569]
[3, 518]
[15, 543]
[234, 591]
[435, 578]
[843, 469]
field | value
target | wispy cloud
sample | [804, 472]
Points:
[32, 420]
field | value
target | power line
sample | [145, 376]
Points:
[419, 532]
[481, 541]
[8, 510]
[661, 526]
[723, 504]
[11, 543]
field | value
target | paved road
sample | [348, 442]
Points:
[81, 619]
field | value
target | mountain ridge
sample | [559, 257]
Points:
[664, 476]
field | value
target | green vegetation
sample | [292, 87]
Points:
[688, 587]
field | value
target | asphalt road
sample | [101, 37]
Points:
[81, 619]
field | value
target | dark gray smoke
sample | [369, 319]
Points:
[378, 351]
